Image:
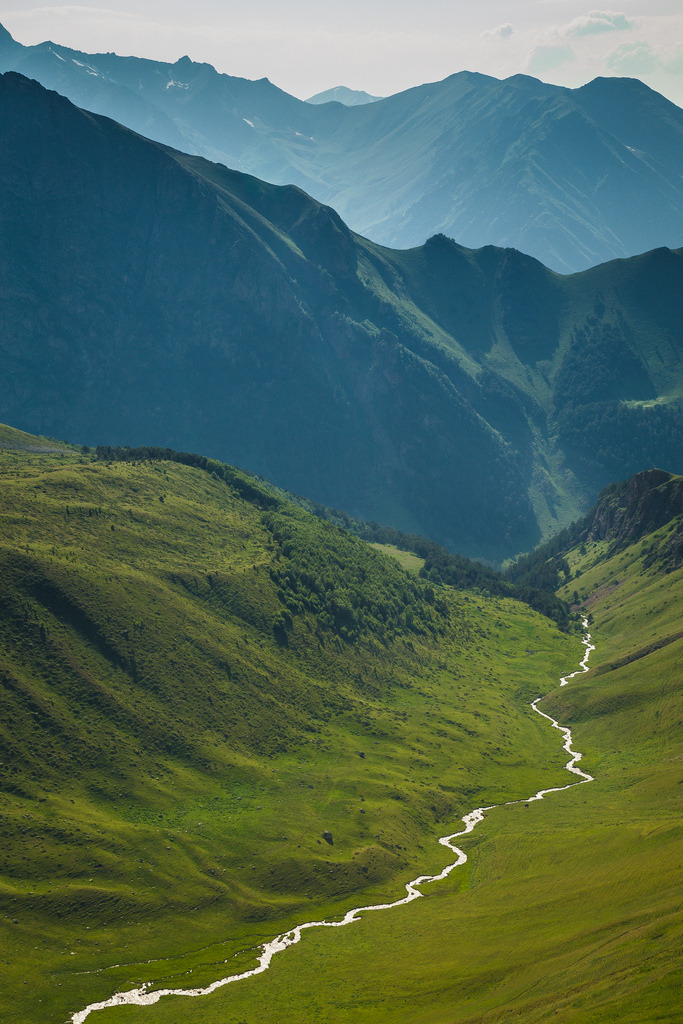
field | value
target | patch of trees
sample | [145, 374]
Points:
[453, 570]
[351, 589]
[601, 367]
[617, 440]
[546, 567]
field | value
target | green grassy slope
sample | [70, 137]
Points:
[568, 909]
[198, 680]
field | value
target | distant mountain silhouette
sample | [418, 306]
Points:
[572, 177]
[149, 297]
[341, 94]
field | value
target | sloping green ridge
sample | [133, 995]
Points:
[199, 679]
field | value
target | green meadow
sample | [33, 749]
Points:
[199, 681]
[410, 562]
[569, 908]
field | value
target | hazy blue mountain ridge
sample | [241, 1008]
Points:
[150, 297]
[342, 94]
[573, 177]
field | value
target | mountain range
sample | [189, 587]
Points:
[476, 397]
[572, 177]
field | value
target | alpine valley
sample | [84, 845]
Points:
[474, 397]
[223, 716]
[272, 747]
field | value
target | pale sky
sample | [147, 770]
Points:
[381, 46]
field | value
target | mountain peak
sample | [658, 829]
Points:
[612, 83]
[529, 82]
[342, 94]
[6, 40]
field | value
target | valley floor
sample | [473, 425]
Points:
[147, 995]
[569, 909]
[142, 844]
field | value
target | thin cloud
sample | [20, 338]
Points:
[75, 11]
[641, 59]
[547, 58]
[674, 65]
[597, 22]
[501, 32]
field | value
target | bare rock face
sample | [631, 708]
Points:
[627, 511]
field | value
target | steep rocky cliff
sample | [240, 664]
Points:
[627, 511]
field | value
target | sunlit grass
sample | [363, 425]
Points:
[409, 561]
[170, 762]
[568, 909]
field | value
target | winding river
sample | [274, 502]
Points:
[143, 997]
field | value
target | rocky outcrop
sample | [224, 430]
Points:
[627, 511]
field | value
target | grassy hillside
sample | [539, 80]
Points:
[568, 909]
[198, 681]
